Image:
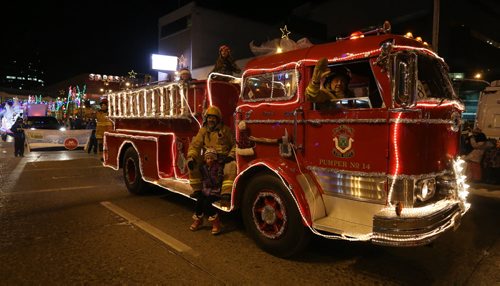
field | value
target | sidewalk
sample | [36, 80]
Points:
[485, 190]
[7, 147]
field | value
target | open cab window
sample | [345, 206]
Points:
[362, 88]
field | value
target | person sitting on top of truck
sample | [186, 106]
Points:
[213, 134]
[225, 64]
[335, 83]
[185, 76]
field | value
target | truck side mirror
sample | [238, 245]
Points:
[404, 79]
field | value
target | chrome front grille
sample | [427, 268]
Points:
[362, 187]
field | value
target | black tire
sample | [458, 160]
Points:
[271, 217]
[132, 173]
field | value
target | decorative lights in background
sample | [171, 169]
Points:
[409, 35]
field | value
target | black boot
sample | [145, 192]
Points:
[195, 194]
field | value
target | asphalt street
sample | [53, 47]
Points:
[48, 231]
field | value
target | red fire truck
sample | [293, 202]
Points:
[382, 166]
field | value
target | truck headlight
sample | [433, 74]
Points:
[62, 129]
[425, 189]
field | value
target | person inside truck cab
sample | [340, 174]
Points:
[328, 84]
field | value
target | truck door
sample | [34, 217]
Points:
[346, 140]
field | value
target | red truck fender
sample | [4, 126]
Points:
[300, 186]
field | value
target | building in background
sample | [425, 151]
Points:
[194, 33]
[26, 75]
[468, 30]
[20, 79]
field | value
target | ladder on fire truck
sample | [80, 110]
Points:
[167, 100]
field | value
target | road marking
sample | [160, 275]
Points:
[35, 168]
[66, 177]
[13, 177]
[153, 231]
[52, 190]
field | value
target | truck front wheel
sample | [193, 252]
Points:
[272, 218]
[132, 173]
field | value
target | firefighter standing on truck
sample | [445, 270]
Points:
[103, 125]
[213, 134]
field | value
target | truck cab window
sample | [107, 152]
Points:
[279, 85]
[433, 81]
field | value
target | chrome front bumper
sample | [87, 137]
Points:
[416, 226]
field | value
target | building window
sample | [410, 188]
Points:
[175, 26]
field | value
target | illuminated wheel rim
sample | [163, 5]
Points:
[131, 171]
[269, 214]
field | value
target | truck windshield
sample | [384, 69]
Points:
[433, 80]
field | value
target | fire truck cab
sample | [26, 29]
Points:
[379, 166]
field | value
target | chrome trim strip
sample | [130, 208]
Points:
[346, 172]
[316, 121]
[381, 174]
[418, 121]
[419, 177]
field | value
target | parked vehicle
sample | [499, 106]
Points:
[382, 166]
[488, 117]
[43, 122]
[469, 90]
[46, 133]
[488, 121]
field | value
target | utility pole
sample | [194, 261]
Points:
[435, 26]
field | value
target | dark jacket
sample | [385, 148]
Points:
[226, 66]
[17, 129]
[212, 178]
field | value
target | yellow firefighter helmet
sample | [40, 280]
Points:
[214, 111]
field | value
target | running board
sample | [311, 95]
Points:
[184, 189]
[176, 186]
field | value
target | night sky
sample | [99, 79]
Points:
[74, 37]
[114, 37]
[70, 38]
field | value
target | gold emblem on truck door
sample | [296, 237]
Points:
[343, 141]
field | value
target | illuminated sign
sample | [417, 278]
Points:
[163, 63]
[108, 78]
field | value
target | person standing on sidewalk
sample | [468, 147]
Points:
[92, 145]
[103, 125]
[479, 144]
[19, 137]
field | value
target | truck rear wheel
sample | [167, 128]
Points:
[132, 173]
[272, 218]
